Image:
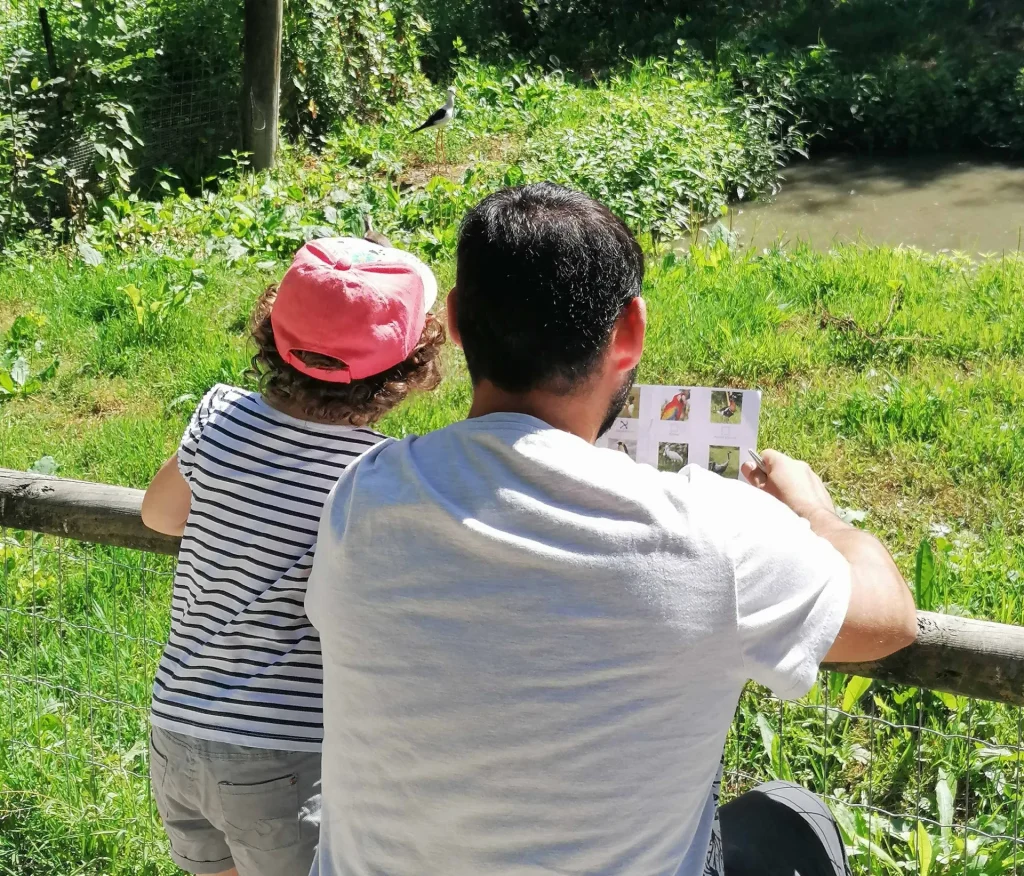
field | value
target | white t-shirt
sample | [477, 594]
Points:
[533, 649]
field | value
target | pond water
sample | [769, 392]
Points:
[936, 203]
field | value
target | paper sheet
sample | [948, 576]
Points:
[673, 426]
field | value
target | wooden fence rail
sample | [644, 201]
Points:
[957, 655]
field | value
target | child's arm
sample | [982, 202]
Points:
[167, 501]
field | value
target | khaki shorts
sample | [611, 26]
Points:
[224, 806]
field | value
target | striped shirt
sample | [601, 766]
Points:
[242, 664]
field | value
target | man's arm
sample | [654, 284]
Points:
[881, 617]
[168, 500]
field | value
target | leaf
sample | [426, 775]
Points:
[949, 700]
[944, 801]
[851, 828]
[851, 515]
[48, 372]
[236, 251]
[121, 26]
[924, 577]
[921, 845]
[90, 255]
[767, 733]
[6, 384]
[134, 294]
[856, 687]
[19, 371]
[902, 696]
[45, 465]
[180, 400]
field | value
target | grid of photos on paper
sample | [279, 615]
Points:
[670, 427]
[625, 430]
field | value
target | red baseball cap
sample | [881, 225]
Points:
[352, 300]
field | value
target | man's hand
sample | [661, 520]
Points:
[881, 617]
[791, 482]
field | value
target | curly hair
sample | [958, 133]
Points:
[358, 403]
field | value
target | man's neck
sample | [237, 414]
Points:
[570, 413]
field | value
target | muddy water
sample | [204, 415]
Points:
[934, 203]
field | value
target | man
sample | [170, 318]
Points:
[533, 648]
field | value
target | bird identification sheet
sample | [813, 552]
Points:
[673, 426]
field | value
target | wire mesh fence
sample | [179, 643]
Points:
[176, 66]
[80, 632]
[920, 782]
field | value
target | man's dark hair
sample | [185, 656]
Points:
[543, 273]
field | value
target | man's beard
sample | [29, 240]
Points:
[618, 400]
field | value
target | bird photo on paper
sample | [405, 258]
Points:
[726, 407]
[678, 407]
[724, 461]
[672, 456]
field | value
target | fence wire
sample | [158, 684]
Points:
[184, 99]
[920, 782]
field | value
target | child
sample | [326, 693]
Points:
[236, 715]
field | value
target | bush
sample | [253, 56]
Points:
[142, 87]
[347, 60]
[668, 146]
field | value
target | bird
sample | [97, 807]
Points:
[730, 408]
[671, 454]
[438, 120]
[371, 235]
[720, 467]
[676, 407]
[622, 446]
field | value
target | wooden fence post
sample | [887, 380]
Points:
[51, 56]
[261, 89]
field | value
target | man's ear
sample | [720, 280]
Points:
[451, 312]
[627, 341]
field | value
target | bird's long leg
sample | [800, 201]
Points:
[438, 142]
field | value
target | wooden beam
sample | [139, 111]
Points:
[97, 513]
[958, 655]
[261, 81]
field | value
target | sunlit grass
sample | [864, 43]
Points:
[896, 374]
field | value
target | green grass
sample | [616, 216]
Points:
[896, 374]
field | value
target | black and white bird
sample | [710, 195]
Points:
[730, 408]
[439, 120]
[720, 467]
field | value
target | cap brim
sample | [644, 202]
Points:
[425, 274]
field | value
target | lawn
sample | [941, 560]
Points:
[897, 375]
